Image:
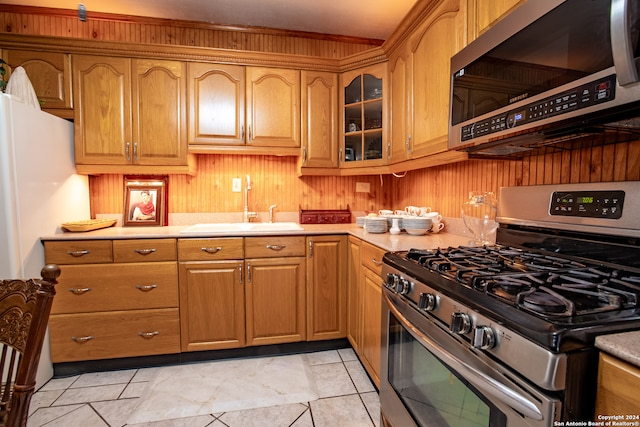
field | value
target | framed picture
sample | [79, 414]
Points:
[145, 201]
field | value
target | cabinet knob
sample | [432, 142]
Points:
[78, 253]
[276, 247]
[79, 291]
[146, 288]
[82, 339]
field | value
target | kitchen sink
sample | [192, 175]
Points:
[232, 227]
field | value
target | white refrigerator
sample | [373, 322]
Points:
[39, 190]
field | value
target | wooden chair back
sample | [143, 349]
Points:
[25, 306]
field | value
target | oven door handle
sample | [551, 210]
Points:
[480, 380]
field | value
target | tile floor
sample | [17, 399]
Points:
[347, 397]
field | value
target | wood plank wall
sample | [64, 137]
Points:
[103, 27]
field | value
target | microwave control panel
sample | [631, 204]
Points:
[596, 92]
[590, 204]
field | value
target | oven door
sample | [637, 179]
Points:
[429, 378]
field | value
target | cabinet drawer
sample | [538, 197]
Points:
[274, 246]
[141, 250]
[210, 249]
[105, 287]
[96, 336]
[371, 257]
[78, 251]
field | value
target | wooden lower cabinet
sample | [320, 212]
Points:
[365, 305]
[617, 387]
[326, 287]
[275, 300]
[105, 309]
[212, 305]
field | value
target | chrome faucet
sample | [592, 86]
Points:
[246, 215]
[271, 208]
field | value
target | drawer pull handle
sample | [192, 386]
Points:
[145, 251]
[276, 247]
[212, 250]
[148, 334]
[79, 253]
[376, 262]
[146, 288]
[82, 339]
[79, 291]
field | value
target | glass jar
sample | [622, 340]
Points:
[479, 216]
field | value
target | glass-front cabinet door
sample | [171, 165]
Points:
[364, 119]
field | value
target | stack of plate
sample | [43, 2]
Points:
[375, 224]
[360, 221]
[416, 225]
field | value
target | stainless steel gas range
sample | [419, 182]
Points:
[503, 335]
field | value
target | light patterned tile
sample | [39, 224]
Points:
[304, 420]
[115, 412]
[372, 403]
[83, 416]
[340, 411]
[90, 394]
[42, 399]
[199, 421]
[359, 377]
[145, 374]
[134, 390]
[59, 383]
[347, 354]
[42, 416]
[322, 357]
[104, 378]
[273, 416]
[332, 379]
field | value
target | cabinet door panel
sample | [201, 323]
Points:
[371, 319]
[320, 119]
[327, 290]
[431, 78]
[273, 115]
[102, 114]
[49, 73]
[211, 305]
[159, 113]
[216, 104]
[275, 302]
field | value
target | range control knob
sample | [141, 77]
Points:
[484, 338]
[460, 323]
[403, 286]
[427, 302]
[392, 279]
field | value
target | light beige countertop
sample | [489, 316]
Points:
[387, 241]
[625, 346]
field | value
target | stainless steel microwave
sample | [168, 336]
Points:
[549, 70]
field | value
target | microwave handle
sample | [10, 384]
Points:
[623, 55]
[481, 381]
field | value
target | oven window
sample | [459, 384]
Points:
[431, 392]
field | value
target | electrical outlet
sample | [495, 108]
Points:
[363, 187]
[236, 186]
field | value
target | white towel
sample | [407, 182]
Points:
[20, 87]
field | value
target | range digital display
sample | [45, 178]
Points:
[591, 204]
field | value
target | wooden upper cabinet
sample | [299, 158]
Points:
[237, 106]
[363, 122]
[273, 107]
[483, 14]
[216, 104]
[400, 104]
[129, 111]
[102, 99]
[319, 119]
[50, 76]
[437, 39]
